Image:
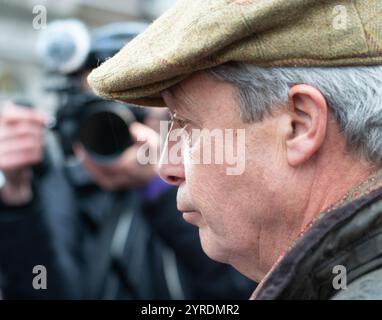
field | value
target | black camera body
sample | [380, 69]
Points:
[68, 50]
[101, 126]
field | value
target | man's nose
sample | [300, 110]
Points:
[171, 170]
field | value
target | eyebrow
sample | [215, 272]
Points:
[181, 104]
[168, 98]
[176, 104]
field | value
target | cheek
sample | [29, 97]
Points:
[227, 202]
[204, 186]
[214, 196]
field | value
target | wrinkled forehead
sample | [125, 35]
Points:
[185, 96]
[196, 94]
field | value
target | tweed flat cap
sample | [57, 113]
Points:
[199, 34]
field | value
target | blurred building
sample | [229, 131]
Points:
[20, 21]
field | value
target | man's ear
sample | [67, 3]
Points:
[309, 115]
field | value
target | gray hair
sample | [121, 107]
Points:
[353, 94]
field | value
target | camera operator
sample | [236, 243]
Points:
[101, 229]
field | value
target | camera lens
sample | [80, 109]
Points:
[104, 131]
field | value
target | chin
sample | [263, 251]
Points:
[212, 247]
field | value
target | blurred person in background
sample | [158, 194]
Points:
[103, 226]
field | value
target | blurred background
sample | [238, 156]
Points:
[20, 73]
[74, 197]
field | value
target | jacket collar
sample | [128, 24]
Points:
[337, 238]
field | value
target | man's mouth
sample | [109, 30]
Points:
[183, 207]
[192, 217]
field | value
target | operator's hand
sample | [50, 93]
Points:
[21, 146]
[126, 171]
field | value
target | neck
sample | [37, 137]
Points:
[323, 185]
[331, 186]
[347, 186]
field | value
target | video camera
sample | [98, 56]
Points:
[101, 126]
[68, 51]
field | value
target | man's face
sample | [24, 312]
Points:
[234, 213]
